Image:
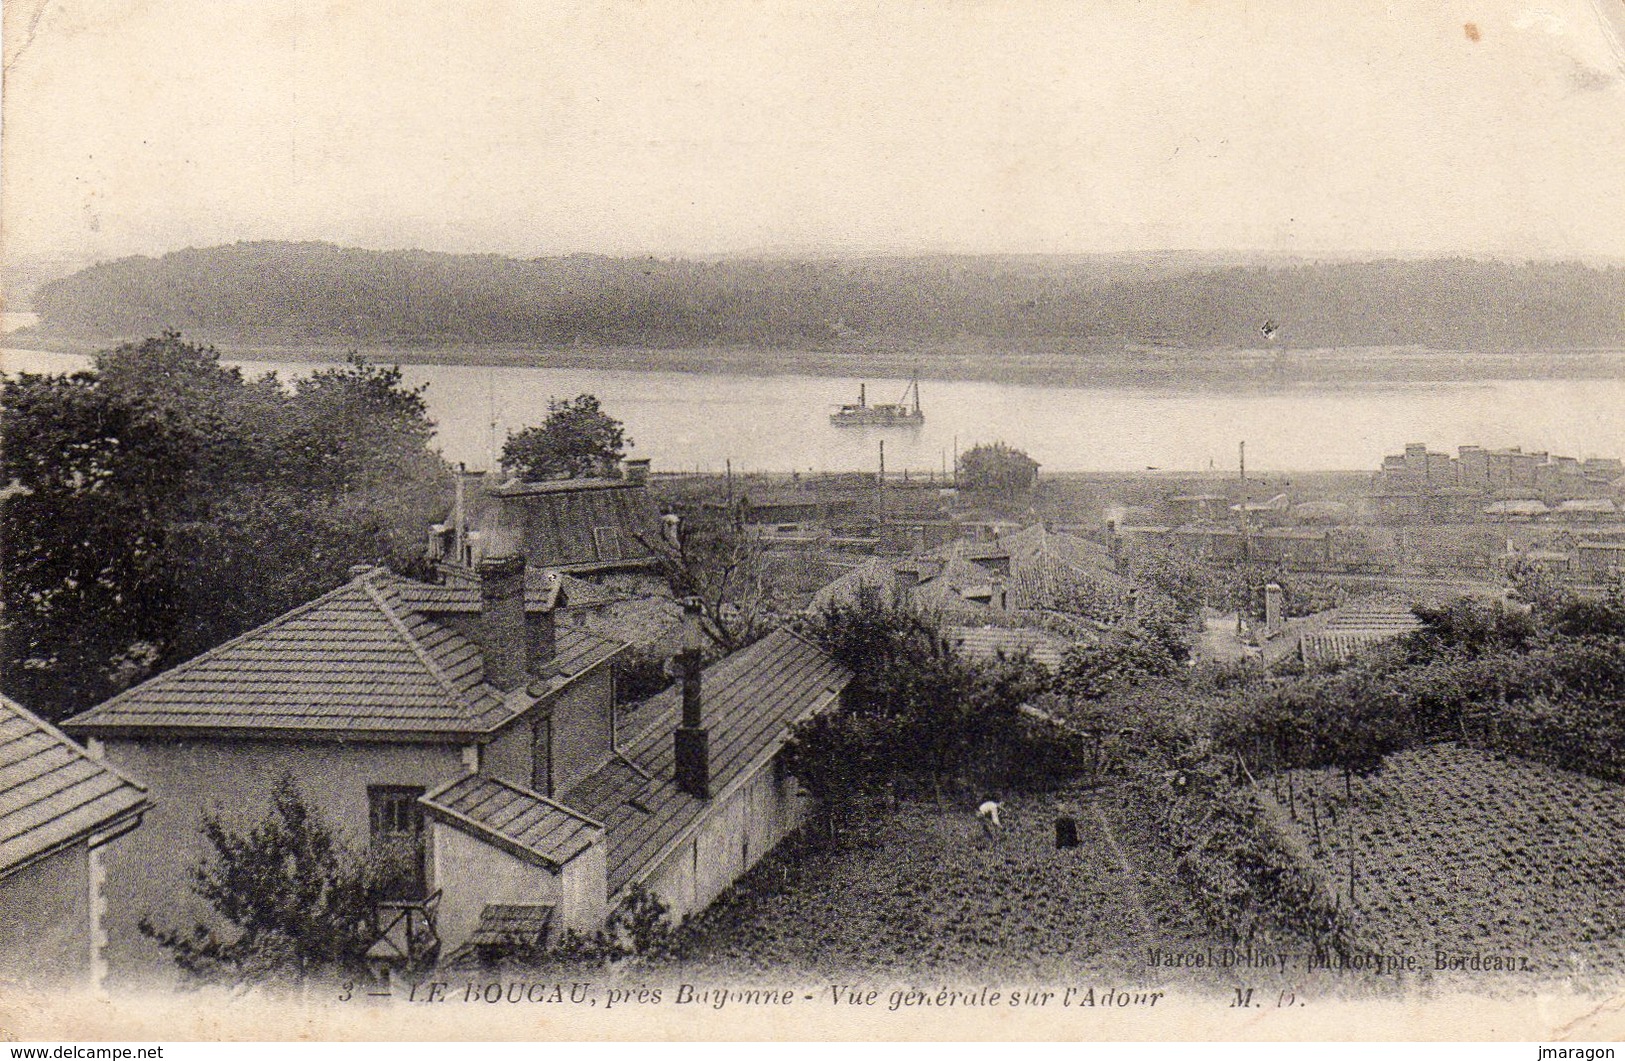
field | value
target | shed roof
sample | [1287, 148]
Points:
[507, 925]
[991, 642]
[574, 524]
[1589, 504]
[752, 698]
[524, 823]
[1517, 507]
[52, 793]
[364, 661]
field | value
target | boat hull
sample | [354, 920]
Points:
[870, 418]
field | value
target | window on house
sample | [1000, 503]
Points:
[397, 838]
[608, 543]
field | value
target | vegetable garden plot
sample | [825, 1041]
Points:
[929, 895]
[1453, 850]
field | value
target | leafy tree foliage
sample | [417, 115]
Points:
[160, 503]
[915, 709]
[996, 468]
[298, 901]
[577, 439]
[1466, 627]
[1128, 656]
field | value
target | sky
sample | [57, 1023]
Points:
[686, 127]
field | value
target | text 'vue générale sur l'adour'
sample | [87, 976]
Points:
[586, 994]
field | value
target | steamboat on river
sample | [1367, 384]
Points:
[903, 414]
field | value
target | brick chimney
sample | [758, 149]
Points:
[693, 740]
[544, 624]
[636, 470]
[504, 640]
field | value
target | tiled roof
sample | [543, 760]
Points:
[650, 621]
[751, 700]
[51, 791]
[877, 573]
[520, 821]
[958, 588]
[1355, 628]
[574, 524]
[1589, 504]
[1065, 573]
[361, 660]
[991, 642]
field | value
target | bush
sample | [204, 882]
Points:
[300, 902]
[995, 468]
[1126, 657]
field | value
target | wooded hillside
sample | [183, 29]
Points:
[317, 292]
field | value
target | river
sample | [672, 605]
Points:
[685, 421]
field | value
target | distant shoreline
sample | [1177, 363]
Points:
[1085, 363]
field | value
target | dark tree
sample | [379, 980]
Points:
[93, 482]
[996, 468]
[936, 714]
[161, 503]
[577, 439]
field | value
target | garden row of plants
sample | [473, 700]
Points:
[1245, 880]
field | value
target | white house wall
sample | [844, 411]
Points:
[471, 873]
[149, 872]
[737, 832]
[45, 926]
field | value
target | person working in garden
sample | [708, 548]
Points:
[988, 814]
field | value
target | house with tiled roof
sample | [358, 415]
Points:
[59, 808]
[1054, 571]
[467, 725]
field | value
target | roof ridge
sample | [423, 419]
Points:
[50, 730]
[222, 648]
[417, 649]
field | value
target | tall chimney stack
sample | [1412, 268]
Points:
[545, 644]
[693, 740]
[503, 637]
